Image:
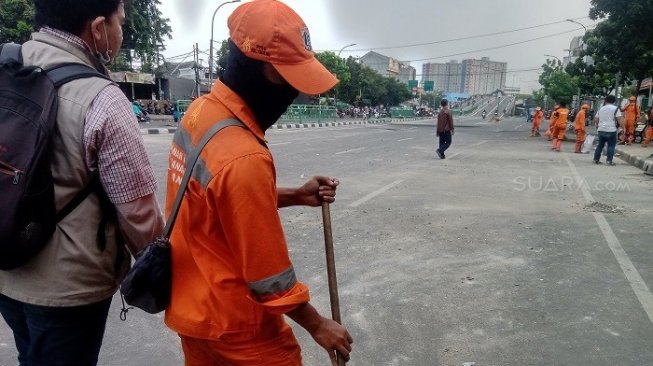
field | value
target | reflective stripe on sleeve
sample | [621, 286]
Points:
[275, 285]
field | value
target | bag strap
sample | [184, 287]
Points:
[65, 73]
[79, 198]
[191, 159]
[10, 53]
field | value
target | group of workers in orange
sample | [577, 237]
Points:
[558, 125]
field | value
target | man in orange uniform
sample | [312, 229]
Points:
[579, 127]
[232, 278]
[559, 123]
[537, 122]
[631, 113]
[549, 130]
[649, 129]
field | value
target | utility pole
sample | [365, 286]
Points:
[197, 70]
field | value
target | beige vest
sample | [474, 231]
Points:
[71, 270]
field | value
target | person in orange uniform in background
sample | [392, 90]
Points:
[649, 129]
[631, 113]
[559, 122]
[537, 122]
[233, 281]
[579, 127]
[549, 130]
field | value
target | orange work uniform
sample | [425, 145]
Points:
[537, 122]
[649, 131]
[559, 123]
[631, 113]
[232, 278]
[579, 129]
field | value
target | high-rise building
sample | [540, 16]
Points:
[447, 77]
[483, 76]
[471, 76]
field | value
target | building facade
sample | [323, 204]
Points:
[389, 67]
[472, 76]
[448, 77]
[484, 76]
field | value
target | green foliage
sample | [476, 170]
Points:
[221, 57]
[624, 40]
[16, 20]
[557, 84]
[144, 32]
[595, 80]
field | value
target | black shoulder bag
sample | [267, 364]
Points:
[148, 284]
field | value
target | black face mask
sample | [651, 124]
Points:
[267, 100]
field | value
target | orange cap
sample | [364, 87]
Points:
[632, 99]
[270, 31]
[585, 106]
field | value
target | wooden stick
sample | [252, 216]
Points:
[331, 270]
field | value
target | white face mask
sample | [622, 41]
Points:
[105, 57]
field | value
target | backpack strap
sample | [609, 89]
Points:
[10, 53]
[191, 159]
[65, 73]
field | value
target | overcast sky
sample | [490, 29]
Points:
[376, 24]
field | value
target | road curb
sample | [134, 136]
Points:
[645, 164]
[326, 124]
[164, 130]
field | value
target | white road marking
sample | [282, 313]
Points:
[453, 155]
[478, 143]
[280, 143]
[638, 285]
[410, 138]
[350, 151]
[375, 193]
[519, 126]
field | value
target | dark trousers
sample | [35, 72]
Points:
[445, 141]
[606, 137]
[56, 336]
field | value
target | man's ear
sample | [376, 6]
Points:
[96, 29]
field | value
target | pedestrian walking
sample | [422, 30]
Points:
[559, 123]
[232, 278]
[607, 129]
[537, 122]
[631, 113]
[445, 129]
[579, 127]
[57, 303]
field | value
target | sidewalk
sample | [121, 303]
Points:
[637, 156]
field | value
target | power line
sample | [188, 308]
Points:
[496, 47]
[462, 38]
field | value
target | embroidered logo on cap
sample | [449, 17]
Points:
[307, 39]
[246, 46]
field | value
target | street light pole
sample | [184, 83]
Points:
[579, 23]
[211, 45]
[349, 45]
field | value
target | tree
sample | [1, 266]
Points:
[144, 32]
[595, 79]
[624, 40]
[556, 83]
[221, 57]
[16, 20]
[337, 66]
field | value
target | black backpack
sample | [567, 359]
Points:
[28, 112]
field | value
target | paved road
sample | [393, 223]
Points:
[496, 255]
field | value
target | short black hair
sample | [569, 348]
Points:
[444, 102]
[610, 99]
[72, 16]
[562, 104]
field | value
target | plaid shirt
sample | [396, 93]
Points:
[112, 141]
